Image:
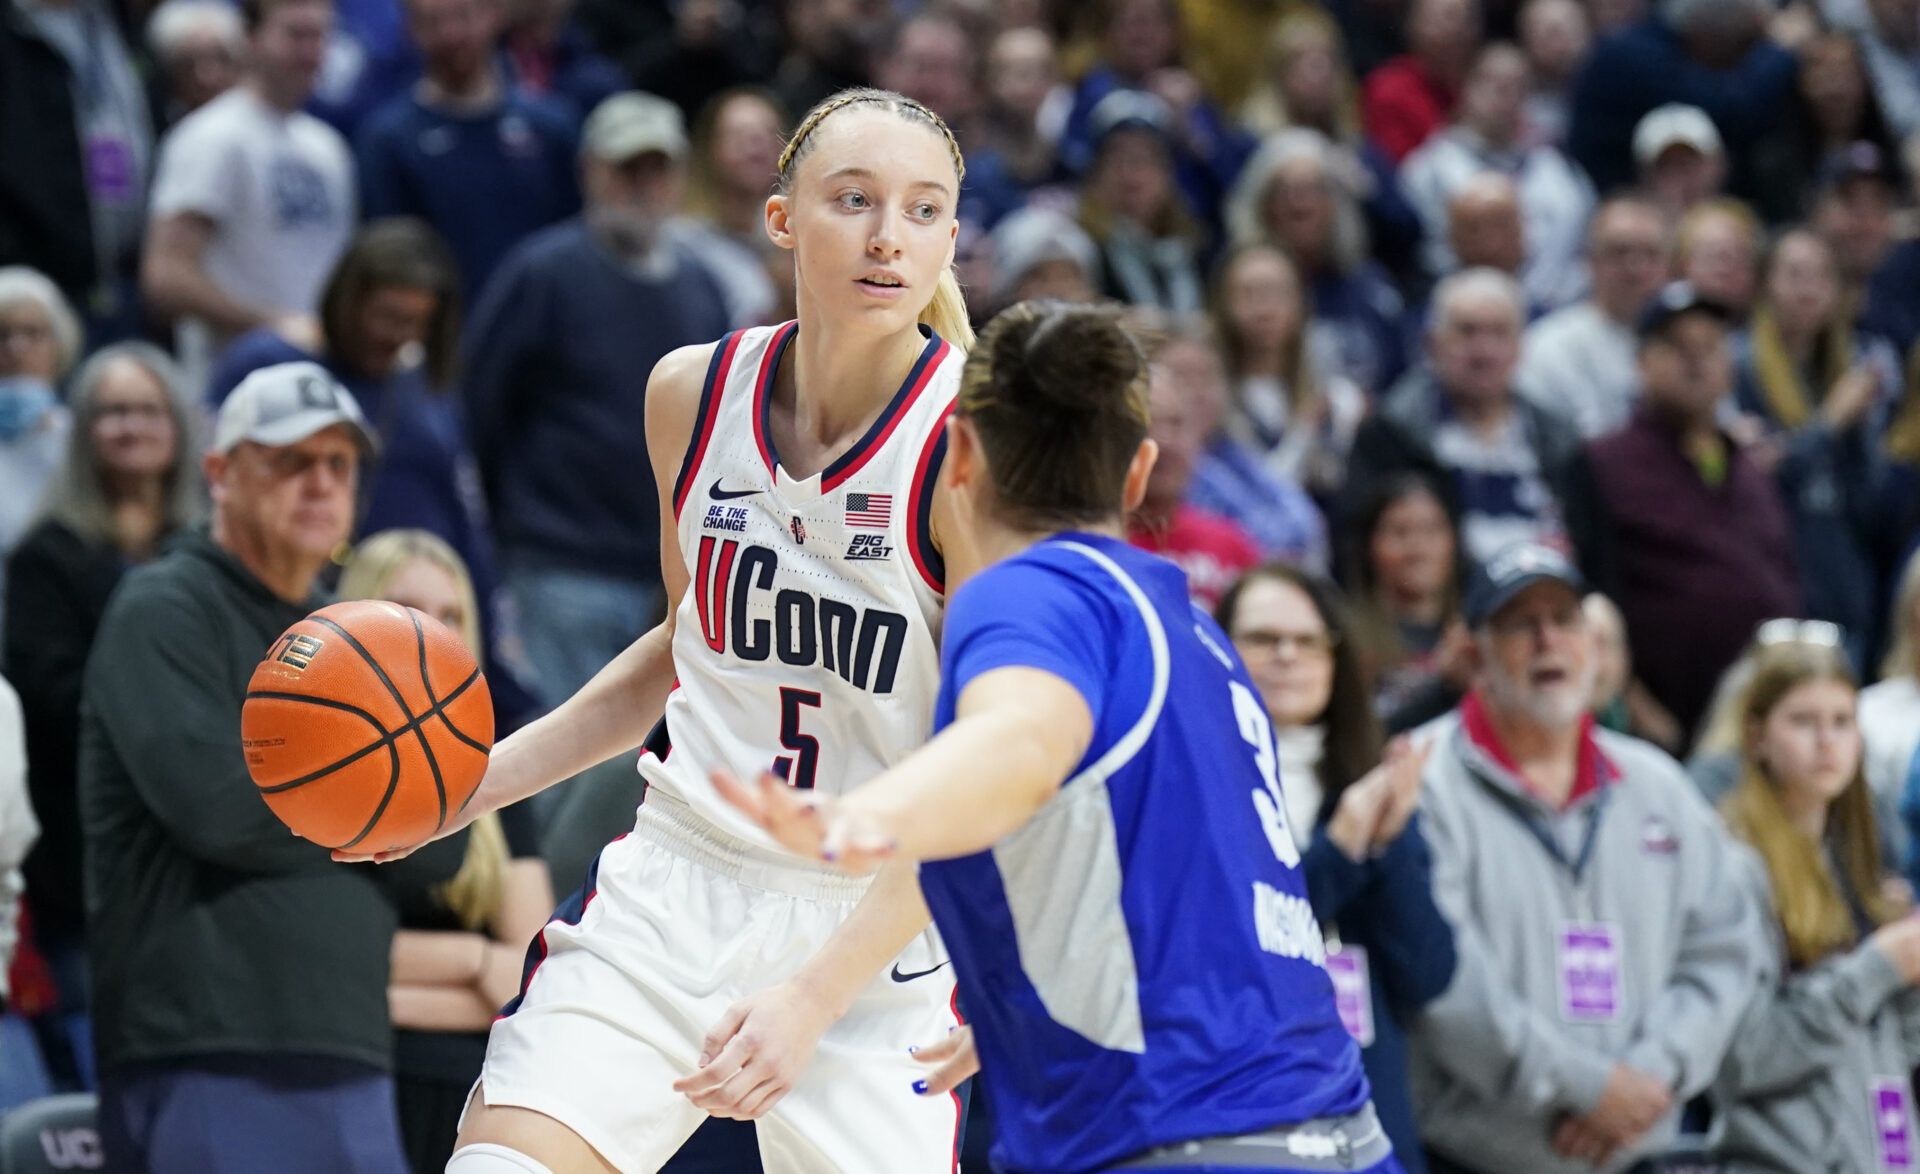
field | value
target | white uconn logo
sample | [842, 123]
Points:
[77, 1148]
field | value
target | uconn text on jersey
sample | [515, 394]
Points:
[861, 644]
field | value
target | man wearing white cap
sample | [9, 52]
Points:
[240, 976]
[1679, 157]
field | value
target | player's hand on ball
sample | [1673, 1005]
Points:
[954, 1060]
[454, 824]
[810, 825]
[756, 1053]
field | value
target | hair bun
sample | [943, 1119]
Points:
[1073, 360]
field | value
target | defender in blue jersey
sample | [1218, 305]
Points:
[1104, 847]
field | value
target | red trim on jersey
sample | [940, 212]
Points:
[710, 584]
[709, 411]
[763, 388]
[926, 559]
[959, 1110]
[851, 462]
[540, 939]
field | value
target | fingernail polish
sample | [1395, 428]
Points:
[829, 856]
[920, 1086]
[913, 1049]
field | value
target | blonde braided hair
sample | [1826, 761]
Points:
[947, 312]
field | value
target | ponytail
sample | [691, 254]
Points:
[947, 313]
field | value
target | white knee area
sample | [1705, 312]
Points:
[487, 1158]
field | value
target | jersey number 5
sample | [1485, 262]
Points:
[1258, 731]
[797, 768]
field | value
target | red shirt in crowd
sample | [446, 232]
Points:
[1212, 550]
[1402, 104]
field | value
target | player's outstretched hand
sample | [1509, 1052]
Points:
[954, 1059]
[454, 824]
[809, 825]
[756, 1052]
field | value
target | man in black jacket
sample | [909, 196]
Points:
[240, 1001]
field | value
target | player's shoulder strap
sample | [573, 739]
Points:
[927, 560]
[712, 390]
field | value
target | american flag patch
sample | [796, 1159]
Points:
[869, 511]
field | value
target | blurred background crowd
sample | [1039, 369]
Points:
[1632, 283]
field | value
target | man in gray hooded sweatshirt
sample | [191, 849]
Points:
[1606, 949]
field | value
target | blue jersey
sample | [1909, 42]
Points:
[1139, 961]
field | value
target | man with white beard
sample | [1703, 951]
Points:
[1604, 956]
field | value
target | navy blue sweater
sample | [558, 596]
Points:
[1644, 66]
[557, 358]
[1385, 906]
[485, 181]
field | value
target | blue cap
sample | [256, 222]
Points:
[1498, 581]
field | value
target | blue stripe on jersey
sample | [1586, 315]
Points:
[1139, 962]
[568, 912]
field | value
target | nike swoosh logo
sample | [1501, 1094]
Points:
[718, 494]
[899, 977]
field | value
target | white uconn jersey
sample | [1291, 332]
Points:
[807, 643]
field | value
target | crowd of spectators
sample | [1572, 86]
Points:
[1537, 387]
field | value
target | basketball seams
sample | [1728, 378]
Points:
[426, 682]
[399, 699]
[387, 737]
[284, 736]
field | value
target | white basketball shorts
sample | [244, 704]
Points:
[675, 923]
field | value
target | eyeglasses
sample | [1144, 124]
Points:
[1790, 631]
[1303, 644]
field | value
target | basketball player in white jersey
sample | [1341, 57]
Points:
[702, 969]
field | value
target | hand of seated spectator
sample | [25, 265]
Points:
[1405, 764]
[1633, 1103]
[1577, 1140]
[1373, 812]
[1900, 942]
[1358, 814]
[1850, 397]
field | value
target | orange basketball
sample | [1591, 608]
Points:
[367, 726]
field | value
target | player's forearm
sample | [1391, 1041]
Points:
[889, 916]
[610, 715]
[975, 784]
